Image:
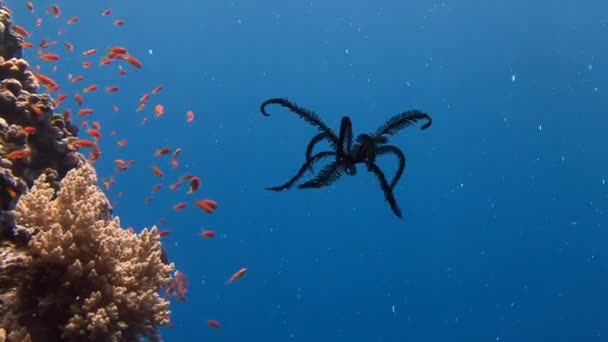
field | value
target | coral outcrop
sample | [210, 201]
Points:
[68, 271]
[83, 277]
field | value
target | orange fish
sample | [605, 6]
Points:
[90, 88]
[12, 193]
[28, 130]
[189, 116]
[21, 30]
[18, 154]
[176, 153]
[144, 98]
[106, 12]
[67, 115]
[213, 323]
[72, 20]
[83, 143]
[207, 205]
[162, 151]
[44, 44]
[55, 10]
[112, 89]
[117, 50]
[157, 171]
[48, 82]
[78, 98]
[208, 234]
[60, 99]
[134, 61]
[179, 206]
[119, 22]
[159, 110]
[94, 133]
[89, 52]
[36, 109]
[195, 182]
[49, 57]
[85, 111]
[238, 274]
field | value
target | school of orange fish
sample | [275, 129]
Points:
[93, 129]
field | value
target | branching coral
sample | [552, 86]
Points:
[86, 279]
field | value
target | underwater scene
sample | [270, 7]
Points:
[304, 171]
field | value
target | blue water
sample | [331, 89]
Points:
[504, 198]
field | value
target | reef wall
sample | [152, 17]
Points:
[68, 271]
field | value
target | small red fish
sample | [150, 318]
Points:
[237, 275]
[157, 172]
[179, 206]
[207, 205]
[208, 234]
[195, 182]
[178, 286]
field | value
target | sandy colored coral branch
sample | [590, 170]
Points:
[87, 278]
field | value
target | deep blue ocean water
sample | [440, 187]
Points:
[504, 236]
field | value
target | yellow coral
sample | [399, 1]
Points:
[93, 279]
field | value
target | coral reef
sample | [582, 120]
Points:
[85, 277]
[68, 271]
[27, 123]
